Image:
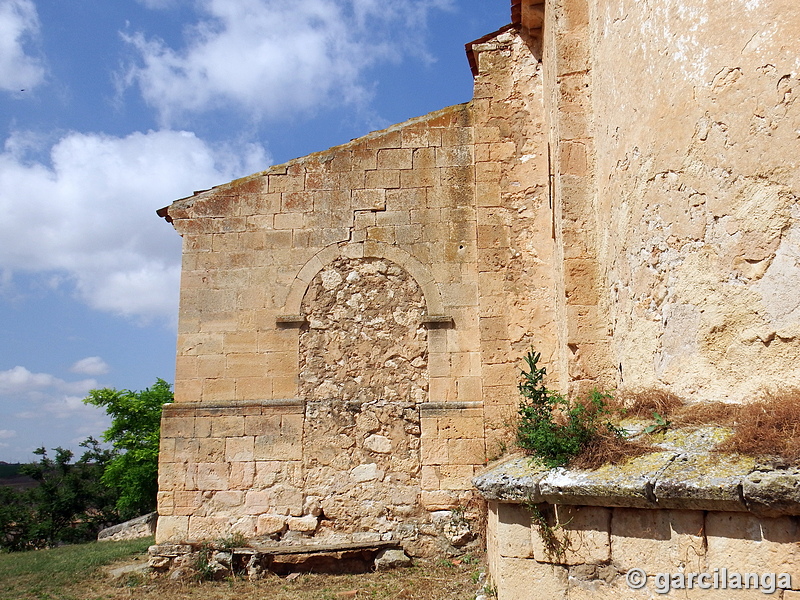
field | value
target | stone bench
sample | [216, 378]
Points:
[257, 559]
[680, 511]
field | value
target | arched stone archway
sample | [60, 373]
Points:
[419, 272]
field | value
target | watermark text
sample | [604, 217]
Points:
[717, 579]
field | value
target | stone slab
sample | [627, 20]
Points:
[704, 482]
[629, 484]
[772, 493]
[516, 480]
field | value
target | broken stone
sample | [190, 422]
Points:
[169, 550]
[159, 562]
[312, 506]
[223, 558]
[391, 558]
[378, 443]
[181, 573]
[269, 524]
[139, 527]
[368, 472]
[303, 524]
[458, 534]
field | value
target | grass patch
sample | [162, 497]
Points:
[46, 574]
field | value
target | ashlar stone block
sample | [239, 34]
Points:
[658, 540]
[514, 533]
[750, 543]
[526, 579]
[172, 529]
[575, 535]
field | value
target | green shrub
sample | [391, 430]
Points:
[551, 426]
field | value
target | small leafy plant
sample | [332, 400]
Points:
[234, 540]
[661, 424]
[202, 564]
[551, 426]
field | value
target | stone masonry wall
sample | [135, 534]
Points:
[363, 370]
[365, 339]
[516, 245]
[353, 322]
[621, 194]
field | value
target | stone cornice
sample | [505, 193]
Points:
[673, 478]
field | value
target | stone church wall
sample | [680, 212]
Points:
[351, 323]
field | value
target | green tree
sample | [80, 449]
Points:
[15, 519]
[134, 434]
[70, 503]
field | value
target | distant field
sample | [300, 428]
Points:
[10, 477]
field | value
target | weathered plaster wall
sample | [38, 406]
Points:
[696, 126]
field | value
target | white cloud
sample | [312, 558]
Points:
[19, 25]
[271, 57]
[91, 365]
[19, 381]
[89, 214]
[44, 400]
[65, 407]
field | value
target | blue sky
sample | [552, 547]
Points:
[110, 110]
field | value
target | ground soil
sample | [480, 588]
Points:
[443, 580]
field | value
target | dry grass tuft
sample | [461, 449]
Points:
[645, 402]
[708, 413]
[607, 448]
[768, 427]
[446, 580]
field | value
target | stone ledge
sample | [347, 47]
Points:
[177, 406]
[674, 477]
[290, 320]
[438, 321]
[433, 409]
